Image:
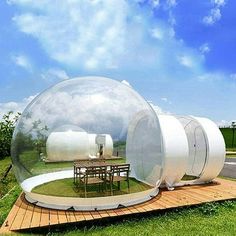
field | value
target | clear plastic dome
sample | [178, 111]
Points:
[87, 119]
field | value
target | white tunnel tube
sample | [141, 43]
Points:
[175, 150]
[74, 145]
[207, 149]
[216, 150]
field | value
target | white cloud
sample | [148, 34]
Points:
[204, 48]
[171, 3]
[215, 13]
[118, 35]
[15, 106]
[54, 74]
[158, 109]
[214, 16]
[22, 61]
[223, 123]
[85, 33]
[219, 2]
[155, 3]
[186, 61]
[158, 3]
[162, 33]
[157, 33]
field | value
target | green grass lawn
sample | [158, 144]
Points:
[66, 188]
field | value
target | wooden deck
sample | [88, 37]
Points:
[24, 215]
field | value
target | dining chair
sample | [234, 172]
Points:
[95, 175]
[118, 173]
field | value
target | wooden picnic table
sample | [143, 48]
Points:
[97, 172]
[80, 165]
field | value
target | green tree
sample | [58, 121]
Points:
[7, 125]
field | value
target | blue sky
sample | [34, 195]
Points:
[179, 54]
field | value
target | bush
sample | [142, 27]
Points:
[7, 125]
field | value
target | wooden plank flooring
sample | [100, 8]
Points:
[24, 215]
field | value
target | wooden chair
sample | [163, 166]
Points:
[118, 173]
[78, 170]
[95, 175]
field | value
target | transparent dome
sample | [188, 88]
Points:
[86, 122]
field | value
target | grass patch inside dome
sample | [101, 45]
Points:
[66, 188]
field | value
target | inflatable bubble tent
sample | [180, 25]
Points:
[86, 118]
[99, 120]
